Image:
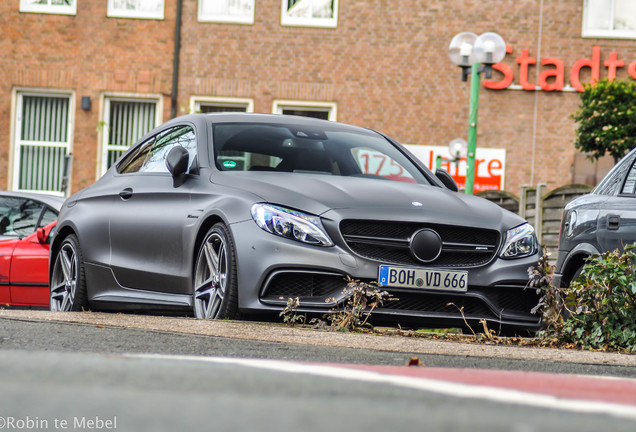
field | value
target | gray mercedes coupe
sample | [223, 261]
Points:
[232, 214]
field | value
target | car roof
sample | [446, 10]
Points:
[52, 201]
[278, 119]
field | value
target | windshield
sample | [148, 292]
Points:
[331, 150]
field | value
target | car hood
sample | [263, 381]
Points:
[336, 197]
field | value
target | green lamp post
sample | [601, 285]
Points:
[474, 55]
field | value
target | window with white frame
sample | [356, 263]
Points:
[205, 104]
[62, 7]
[228, 11]
[42, 141]
[321, 110]
[125, 121]
[311, 13]
[609, 19]
[150, 9]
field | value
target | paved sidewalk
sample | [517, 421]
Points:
[270, 332]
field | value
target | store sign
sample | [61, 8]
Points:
[553, 74]
[490, 164]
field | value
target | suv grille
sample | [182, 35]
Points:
[389, 242]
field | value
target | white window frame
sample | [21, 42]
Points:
[114, 12]
[26, 6]
[330, 107]
[604, 33]
[287, 20]
[105, 100]
[231, 19]
[197, 101]
[17, 95]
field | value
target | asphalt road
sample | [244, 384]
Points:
[71, 337]
[88, 377]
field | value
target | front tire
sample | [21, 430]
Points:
[215, 294]
[68, 283]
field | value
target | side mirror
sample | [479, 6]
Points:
[40, 233]
[446, 179]
[177, 163]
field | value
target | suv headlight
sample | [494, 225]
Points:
[291, 224]
[520, 242]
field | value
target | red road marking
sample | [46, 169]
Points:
[583, 387]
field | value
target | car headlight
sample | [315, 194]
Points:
[520, 242]
[291, 224]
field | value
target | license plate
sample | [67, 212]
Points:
[433, 279]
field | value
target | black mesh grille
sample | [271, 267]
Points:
[439, 304]
[303, 285]
[513, 299]
[366, 237]
[501, 301]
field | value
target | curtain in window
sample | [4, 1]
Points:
[128, 121]
[43, 143]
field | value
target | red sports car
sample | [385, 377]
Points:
[27, 220]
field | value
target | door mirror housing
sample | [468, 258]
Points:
[41, 235]
[446, 179]
[177, 163]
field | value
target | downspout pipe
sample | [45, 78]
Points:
[175, 64]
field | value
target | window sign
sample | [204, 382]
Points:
[311, 13]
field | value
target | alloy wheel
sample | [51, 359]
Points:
[210, 279]
[64, 278]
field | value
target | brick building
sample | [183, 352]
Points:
[88, 77]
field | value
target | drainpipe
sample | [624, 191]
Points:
[175, 67]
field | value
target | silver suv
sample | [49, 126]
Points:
[603, 220]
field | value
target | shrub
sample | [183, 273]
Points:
[607, 119]
[603, 311]
[605, 296]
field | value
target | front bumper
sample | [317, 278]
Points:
[272, 269]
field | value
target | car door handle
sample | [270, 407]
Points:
[613, 222]
[126, 193]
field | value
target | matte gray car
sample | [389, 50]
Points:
[227, 214]
[603, 220]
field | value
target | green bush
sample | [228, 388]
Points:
[601, 309]
[605, 295]
[607, 119]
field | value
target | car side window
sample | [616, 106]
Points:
[48, 216]
[9, 210]
[630, 182]
[150, 157]
[612, 184]
[24, 218]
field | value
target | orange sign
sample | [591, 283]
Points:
[490, 165]
[552, 77]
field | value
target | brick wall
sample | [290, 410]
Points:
[385, 65]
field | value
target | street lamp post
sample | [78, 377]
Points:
[469, 52]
